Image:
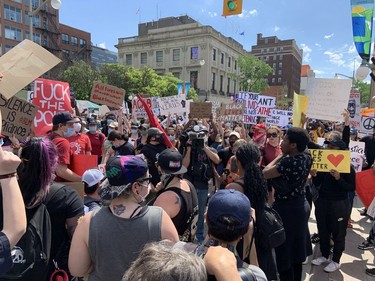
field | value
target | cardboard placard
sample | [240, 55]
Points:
[232, 112]
[171, 105]
[106, 94]
[325, 160]
[200, 110]
[23, 64]
[50, 97]
[279, 117]
[79, 163]
[18, 116]
[365, 186]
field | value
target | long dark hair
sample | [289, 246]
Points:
[255, 185]
[39, 160]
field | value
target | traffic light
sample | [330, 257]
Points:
[232, 7]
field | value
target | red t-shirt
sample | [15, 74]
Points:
[96, 142]
[63, 148]
[79, 144]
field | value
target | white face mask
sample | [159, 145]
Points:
[77, 127]
[92, 129]
[205, 139]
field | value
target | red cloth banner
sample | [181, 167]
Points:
[154, 121]
[51, 97]
[365, 186]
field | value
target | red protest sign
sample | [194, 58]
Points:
[365, 186]
[51, 97]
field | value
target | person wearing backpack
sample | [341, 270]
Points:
[13, 215]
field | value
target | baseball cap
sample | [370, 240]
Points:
[229, 202]
[91, 120]
[134, 125]
[260, 126]
[64, 117]
[92, 176]
[144, 126]
[236, 134]
[153, 132]
[170, 161]
[122, 171]
[338, 143]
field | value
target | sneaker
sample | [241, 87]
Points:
[366, 245]
[370, 271]
[332, 266]
[319, 261]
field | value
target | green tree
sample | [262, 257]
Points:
[192, 94]
[364, 90]
[81, 76]
[252, 74]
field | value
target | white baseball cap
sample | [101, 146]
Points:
[92, 176]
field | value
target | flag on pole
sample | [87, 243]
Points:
[154, 121]
[138, 11]
[362, 14]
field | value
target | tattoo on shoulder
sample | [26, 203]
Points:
[178, 200]
[119, 209]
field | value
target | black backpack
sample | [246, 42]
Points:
[32, 252]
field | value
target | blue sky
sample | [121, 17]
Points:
[322, 28]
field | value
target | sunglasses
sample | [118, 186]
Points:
[272, 135]
[145, 180]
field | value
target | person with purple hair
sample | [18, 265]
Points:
[36, 174]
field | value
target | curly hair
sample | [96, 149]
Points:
[255, 185]
[39, 160]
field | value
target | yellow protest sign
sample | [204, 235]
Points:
[299, 106]
[325, 160]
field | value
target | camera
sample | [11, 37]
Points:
[197, 139]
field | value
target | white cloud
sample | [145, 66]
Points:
[276, 28]
[102, 45]
[352, 49]
[318, 45]
[306, 53]
[329, 36]
[212, 14]
[335, 58]
[247, 14]
[319, 72]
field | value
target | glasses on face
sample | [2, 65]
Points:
[272, 135]
[145, 181]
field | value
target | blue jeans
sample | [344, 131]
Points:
[202, 200]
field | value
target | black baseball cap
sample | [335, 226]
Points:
[338, 143]
[64, 117]
[170, 161]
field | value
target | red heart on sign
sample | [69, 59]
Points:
[335, 160]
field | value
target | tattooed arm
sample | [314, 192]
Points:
[170, 202]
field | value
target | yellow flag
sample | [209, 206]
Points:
[299, 107]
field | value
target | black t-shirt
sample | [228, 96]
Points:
[150, 151]
[225, 154]
[369, 150]
[125, 149]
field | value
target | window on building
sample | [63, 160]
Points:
[221, 82]
[222, 58]
[274, 57]
[159, 56]
[82, 43]
[234, 86]
[235, 64]
[273, 80]
[281, 49]
[64, 38]
[18, 1]
[45, 23]
[267, 58]
[214, 54]
[176, 54]
[194, 79]
[74, 40]
[45, 40]
[280, 72]
[229, 61]
[37, 38]
[8, 48]
[279, 80]
[13, 33]
[35, 19]
[281, 57]
[66, 53]
[274, 72]
[280, 64]
[12, 13]
[213, 81]
[128, 59]
[143, 58]
[176, 74]
[228, 85]
[274, 65]
[35, 3]
[194, 53]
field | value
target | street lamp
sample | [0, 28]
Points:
[56, 4]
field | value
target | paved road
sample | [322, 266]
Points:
[353, 260]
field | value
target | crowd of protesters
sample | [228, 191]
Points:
[206, 194]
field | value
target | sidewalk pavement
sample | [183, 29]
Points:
[353, 261]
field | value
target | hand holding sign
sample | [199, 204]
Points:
[325, 160]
